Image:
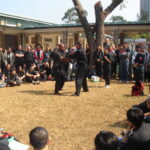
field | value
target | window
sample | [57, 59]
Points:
[33, 40]
[48, 40]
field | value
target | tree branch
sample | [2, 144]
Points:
[111, 7]
[83, 19]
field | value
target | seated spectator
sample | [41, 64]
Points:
[39, 138]
[47, 68]
[144, 106]
[137, 136]
[106, 140]
[21, 74]
[2, 80]
[32, 75]
[14, 79]
[41, 70]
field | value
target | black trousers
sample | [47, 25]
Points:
[99, 69]
[80, 79]
[60, 81]
[107, 73]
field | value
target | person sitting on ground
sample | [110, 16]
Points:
[145, 107]
[14, 79]
[137, 136]
[32, 75]
[39, 138]
[2, 79]
[42, 72]
[106, 140]
[21, 74]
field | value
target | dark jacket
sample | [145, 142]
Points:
[138, 139]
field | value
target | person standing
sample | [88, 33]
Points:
[28, 58]
[139, 63]
[107, 68]
[8, 58]
[19, 57]
[59, 64]
[98, 55]
[81, 73]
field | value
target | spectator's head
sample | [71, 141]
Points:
[8, 67]
[125, 45]
[39, 138]
[78, 45]
[19, 47]
[120, 46]
[32, 67]
[1, 49]
[61, 46]
[106, 140]
[13, 71]
[135, 116]
[9, 50]
[38, 47]
[28, 48]
[4, 147]
[106, 50]
[99, 47]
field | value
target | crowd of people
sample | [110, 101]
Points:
[63, 64]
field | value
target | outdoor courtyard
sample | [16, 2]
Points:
[72, 122]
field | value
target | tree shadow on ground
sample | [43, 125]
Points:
[120, 124]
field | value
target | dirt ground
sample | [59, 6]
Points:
[72, 122]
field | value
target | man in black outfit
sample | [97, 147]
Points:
[59, 64]
[80, 79]
[19, 57]
[137, 136]
[28, 58]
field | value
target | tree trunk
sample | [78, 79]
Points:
[99, 25]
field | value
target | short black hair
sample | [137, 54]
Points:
[135, 116]
[106, 140]
[78, 43]
[38, 137]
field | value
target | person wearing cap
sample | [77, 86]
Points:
[39, 138]
[81, 73]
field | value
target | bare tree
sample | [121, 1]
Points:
[95, 34]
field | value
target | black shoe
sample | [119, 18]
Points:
[75, 94]
[57, 94]
[85, 91]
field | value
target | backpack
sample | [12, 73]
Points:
[138, 89]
